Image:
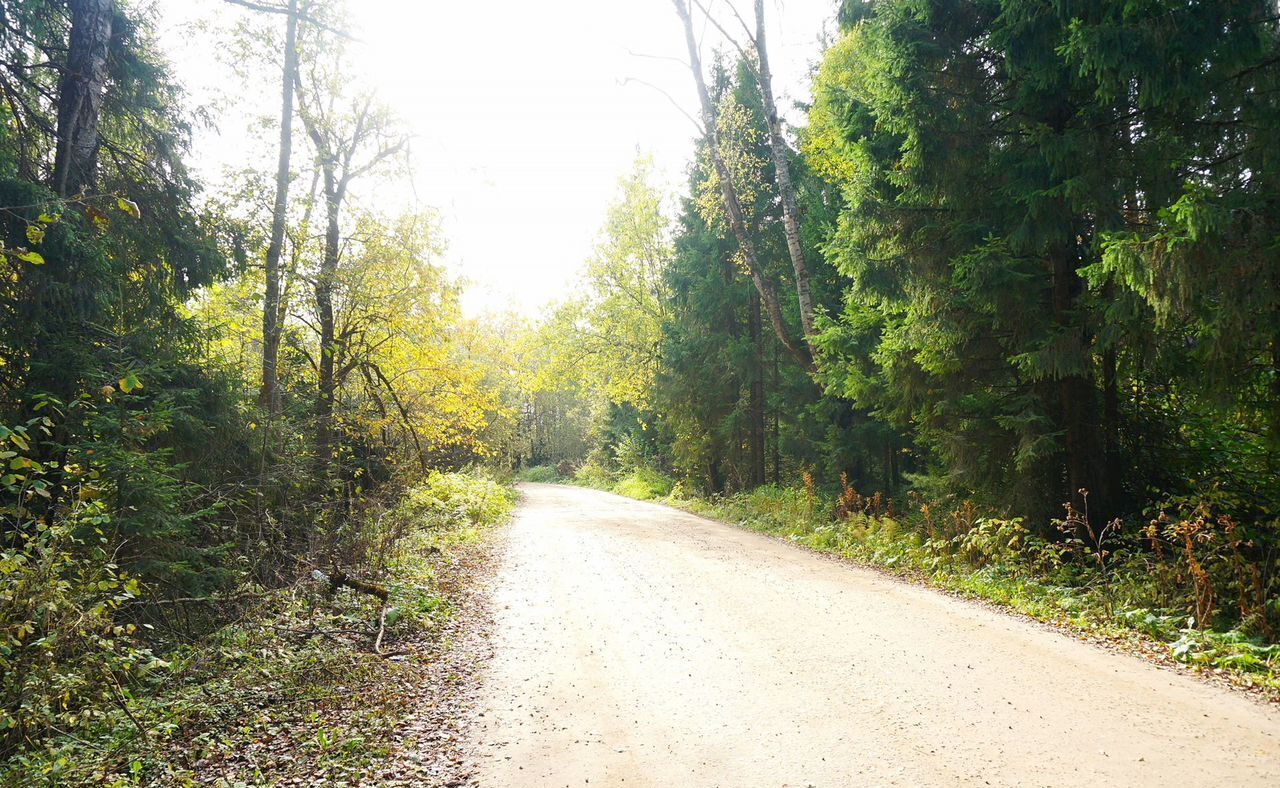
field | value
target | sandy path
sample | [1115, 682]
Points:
[639, 645]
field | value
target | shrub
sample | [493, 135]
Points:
[64, 657]
[451, 500]
[632, 453]
[682, 491]
[594, 474]
[546, 474]
[645, 484]
[992, 540]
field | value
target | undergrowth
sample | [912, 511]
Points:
[294, 685]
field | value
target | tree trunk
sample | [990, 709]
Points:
[1076, 399]
[768, 293]
[1275, 388]
[1111, 427]
[777, 418]
[326, 387]
[782, 169]
[269, 396]
[84, 79]
[1082, 461]
[755, 403]
[1077, 393]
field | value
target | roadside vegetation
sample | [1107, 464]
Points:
[310, 679]
[241, 427]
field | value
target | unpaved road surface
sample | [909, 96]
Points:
[637, 645]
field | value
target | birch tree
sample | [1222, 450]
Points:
[733, 207]
[782, 169]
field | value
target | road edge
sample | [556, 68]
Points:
[1133, 643]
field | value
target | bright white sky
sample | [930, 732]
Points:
[522, 124]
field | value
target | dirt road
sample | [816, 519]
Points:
[637, 645]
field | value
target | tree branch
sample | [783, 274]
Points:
[301, 16]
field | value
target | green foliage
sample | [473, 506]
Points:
[145, 490]
[737, 408]
[65, 657]
[453, 500]
[607, 338]
[593, 473]
[268, 676]
[1037, 247]
[644, 484]
[72, 652]
[1042, 239]
[543, 474]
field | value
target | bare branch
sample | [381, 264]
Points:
[648, 56]
[669, 98]
[302, 16]
[732, 41]
[745, 27]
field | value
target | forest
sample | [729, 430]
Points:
[996, 308]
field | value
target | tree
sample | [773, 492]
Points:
[960, 242]
[711, 351]
[272, 308]
[1035, 209]
[782, 169]
[80, 95]
[351, 136]
[404, 380]
[733, 207]
[608, 337]
[739, 409]
[92, 328]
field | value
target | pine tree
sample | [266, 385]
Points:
[1054, 225]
